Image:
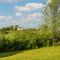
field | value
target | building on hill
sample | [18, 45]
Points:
[16, 27]
[19, 28]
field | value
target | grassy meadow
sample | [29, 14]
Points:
[46, 53]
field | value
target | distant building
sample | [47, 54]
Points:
[16, 27]
[19, 28]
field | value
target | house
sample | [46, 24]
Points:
[19, 28]
[16, 27]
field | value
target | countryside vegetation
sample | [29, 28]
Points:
[48, 34]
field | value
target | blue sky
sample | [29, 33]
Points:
[25, 13]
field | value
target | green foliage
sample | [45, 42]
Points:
[22, 40]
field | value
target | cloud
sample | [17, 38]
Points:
[19, 14]
[29, 6]
[30, 18]
[35, 15]
[5, 17]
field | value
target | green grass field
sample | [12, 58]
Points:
[47, 53]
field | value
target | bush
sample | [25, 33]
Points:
[22, 40]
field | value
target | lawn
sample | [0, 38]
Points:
[47, 53]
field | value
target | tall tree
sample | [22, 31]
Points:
[53, 11]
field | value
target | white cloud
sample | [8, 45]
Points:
[5, 17]
[19, 14]
[29, 18]
[29, 6]
[34, 15]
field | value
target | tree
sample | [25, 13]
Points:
[52, 13]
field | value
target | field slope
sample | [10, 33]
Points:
[47, 53]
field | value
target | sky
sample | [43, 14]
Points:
[25, 13]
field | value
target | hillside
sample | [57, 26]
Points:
[47, 53]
